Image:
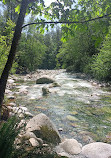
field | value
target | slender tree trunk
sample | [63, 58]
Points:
[17, 34]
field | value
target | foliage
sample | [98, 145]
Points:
[9, 10]
[76, 51]
[30, 52]
[53, 42]
[5, 44]
[8, 132]
[101, 65]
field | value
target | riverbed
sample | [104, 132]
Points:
[78, 108]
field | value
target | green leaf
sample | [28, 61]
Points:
[4, 2]
[17, 9]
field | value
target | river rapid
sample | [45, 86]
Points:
[79, 109]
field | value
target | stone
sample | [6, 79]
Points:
[22, 123]
[19, 109]
[28, 135]
[34, 142]
[60, 129]
[11, 104]
[23, 91]
[7, 91]
[71, 118]
[87, 139]
[43, 128]
[21, 115]
[44, 80]
[97, 150]
[69, 146]
[10, 97]
[45, 91]
[10, 109]
[23, 108]
[28, 114]
[54, 84]
[10, 81]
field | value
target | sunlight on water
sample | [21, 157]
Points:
[81, 109]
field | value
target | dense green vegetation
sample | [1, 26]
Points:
[8, 132]
[35, 50]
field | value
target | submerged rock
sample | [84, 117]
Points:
[44, 80]
[97, 150]
[55, 84]
[43, 128]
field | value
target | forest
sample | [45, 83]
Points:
[79, 47]
[73, 35]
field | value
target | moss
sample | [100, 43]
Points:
[48, 135]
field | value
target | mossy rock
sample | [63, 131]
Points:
[43, 128]
[44, 80]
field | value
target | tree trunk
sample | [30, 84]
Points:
[17, 34]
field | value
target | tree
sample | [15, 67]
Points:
[17, 34]
[5, 42]
[9, 10]
[30, 52]
[53, 42]
[12, 53]
[101, 66]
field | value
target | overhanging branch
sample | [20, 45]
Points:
[67, 22]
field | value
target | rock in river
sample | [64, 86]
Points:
[43, 128]
[44, 80]
[45, 91]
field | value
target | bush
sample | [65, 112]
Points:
[8, 132]
[101, 66]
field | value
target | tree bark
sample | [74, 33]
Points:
[16, 37]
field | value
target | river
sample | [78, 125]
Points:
[78, 108]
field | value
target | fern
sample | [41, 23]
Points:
[8, 132]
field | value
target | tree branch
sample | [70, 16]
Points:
[68, 22]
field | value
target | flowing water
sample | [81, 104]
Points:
[79, 109]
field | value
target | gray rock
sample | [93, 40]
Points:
[10, 81]
[28, 114]
[54, 84]
[19, 110]
[44, 80]
[43, 128]
[97, 150]
[23, 90]
[10, 97]
[7, 91]
[11, 104]
[69, 146]
[28, 135]
[34, 142]
[45, 91]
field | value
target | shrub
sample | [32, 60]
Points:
[8, 132]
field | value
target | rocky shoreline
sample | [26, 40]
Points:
[40, 131]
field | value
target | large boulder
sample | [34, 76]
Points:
[97, 150]
[44, 80]
[43, 128]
